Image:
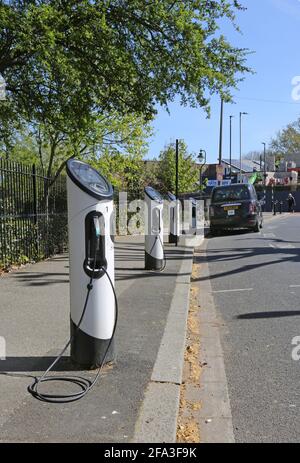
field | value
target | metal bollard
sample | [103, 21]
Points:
[280, 207]
[275, 207]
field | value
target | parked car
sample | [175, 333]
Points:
[235, 206]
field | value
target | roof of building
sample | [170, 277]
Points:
[247, 165]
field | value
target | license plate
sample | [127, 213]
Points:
[230, 208]
[231, 212]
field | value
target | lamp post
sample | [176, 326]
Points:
[241, 114]
[177, 169]
[202, 160]
[230, 143]
[221, 132]
[265, 173]
[178, 231]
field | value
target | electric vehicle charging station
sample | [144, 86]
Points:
[173, 218]
[154, 249]
[193, 215]
[91, 251]
[94, 305]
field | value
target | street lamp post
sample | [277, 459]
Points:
[177, 169]
[221, 132]
[265, 172]
[230, 144]
[265, 175]
[241, 114]
[202, 160]
[177, 186]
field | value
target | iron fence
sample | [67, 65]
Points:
[33, 217]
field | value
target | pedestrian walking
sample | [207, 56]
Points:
[291, 202]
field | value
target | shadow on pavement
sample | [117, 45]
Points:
[29, 364]
[276, 314]
[282, 255]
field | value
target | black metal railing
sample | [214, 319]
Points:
[33, 214]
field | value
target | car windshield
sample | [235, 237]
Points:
[234, 193]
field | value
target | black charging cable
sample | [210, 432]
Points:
[84, 384]
[164, 255]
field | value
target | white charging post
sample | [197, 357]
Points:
[174, 225]
[193, 216]
[154, 250]
[91, 248]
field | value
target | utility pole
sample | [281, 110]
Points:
[177, 162]
[265, 167]
[176, 185]
[241, 114]
[265, 175]
[202, 160]
[221, 133]
[230, 144]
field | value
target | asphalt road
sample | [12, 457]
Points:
[255, 281]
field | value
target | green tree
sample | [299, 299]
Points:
[150, 174]
[188, 172]
[67, 61]
[124, 138]
[120, 151]
[73, 68]
[287, 142]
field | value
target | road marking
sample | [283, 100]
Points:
[294, 286]
[269, 235]
[282, 246]
[232, 290]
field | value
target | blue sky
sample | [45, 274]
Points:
[270, 28]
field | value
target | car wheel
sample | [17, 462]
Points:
[215, 231]
[256, 228]
[212, 231]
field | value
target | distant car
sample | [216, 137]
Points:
[235, 206]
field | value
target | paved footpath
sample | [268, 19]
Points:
[128, 402]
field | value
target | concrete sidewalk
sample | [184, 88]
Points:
[270, 215]
[34, 310]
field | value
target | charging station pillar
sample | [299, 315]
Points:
[90, 209]
[174, 213]
[154, 230]
[193, 216]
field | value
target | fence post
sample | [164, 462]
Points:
[34, 194]
[35, 208]
[2, 218]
